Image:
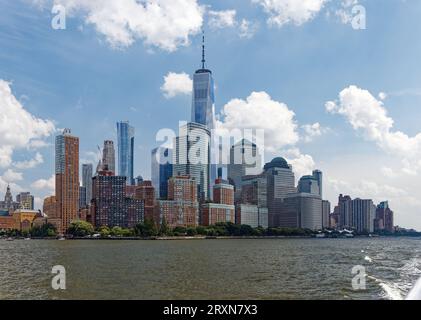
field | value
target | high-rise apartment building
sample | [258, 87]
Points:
[182, 207]
[67, 179]
[146, 192]
[125, 139]
[111, 205]
[357, 214]
[108, 156]
[161, 171]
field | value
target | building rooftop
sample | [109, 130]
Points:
[277, 163]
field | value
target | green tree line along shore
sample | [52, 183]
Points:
[148, 229]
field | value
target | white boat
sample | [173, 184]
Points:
[10, 239]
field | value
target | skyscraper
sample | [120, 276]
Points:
[280, 184]
[311, 184]
[203, 105]
[108, 156]
[161, 170]
[25, 200]
[245, 160]
[358, 214]
[125, 138]
[87, 174]
[384, 218]
[67, 179]
[192, 157]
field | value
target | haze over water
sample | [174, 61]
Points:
[210, 269]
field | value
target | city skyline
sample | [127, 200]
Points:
[344, 148]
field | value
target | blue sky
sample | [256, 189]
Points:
[84, 79]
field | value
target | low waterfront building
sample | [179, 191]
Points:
[251, 215]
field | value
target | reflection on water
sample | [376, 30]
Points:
[210, 269]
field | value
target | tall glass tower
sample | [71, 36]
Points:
[203, 109]
[203, 105]
[125, 138]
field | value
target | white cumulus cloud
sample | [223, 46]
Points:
[295, 12]
[177, 84]
[18, 128]
[166, 24]
[369, 117]
[30, 164]
[222, 19]
[312, 131]
[260, 111]
[45, 184]
[10, 176]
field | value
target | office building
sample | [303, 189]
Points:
[384, 218]
[191, 157]
[25, 200]
[245, 160]
[280, 184]
[161, 171]
[87, 174]
[251, 215]
[311, 184]
[326, 214]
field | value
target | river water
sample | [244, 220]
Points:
[210, 269]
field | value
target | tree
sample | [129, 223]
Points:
[146, 229]
[191, 232]
[80, 229]
[164, 230]
[104, 231]
[46, 230]
[246, 230]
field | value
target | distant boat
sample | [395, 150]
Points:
[27, 239]
[61, 238]
[10, 239]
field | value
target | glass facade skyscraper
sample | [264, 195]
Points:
[125, 138]
[203, 105]
[87, 173]
[161, 169]
[191, 156]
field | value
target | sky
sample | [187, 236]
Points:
[334, 83]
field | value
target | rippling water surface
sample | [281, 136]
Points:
[210, 269]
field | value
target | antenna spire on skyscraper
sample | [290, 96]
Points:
[203, 49]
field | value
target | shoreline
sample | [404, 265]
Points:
[197, 238]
